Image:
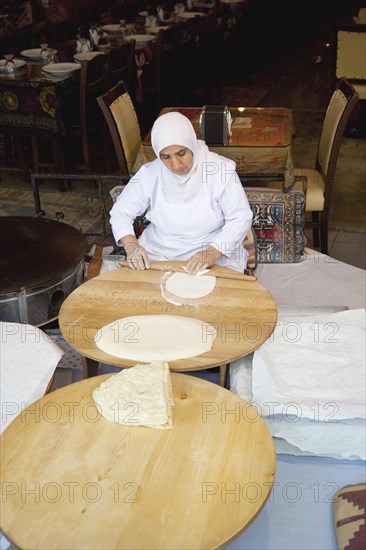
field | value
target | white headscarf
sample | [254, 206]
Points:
[176, 129]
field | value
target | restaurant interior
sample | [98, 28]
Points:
[266, 436]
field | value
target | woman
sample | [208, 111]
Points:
[193, 198]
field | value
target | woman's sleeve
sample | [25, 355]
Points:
[237, 214]
[132, 202]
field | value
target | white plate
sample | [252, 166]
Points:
[112, 29]
[61, 68]
[17, 62]
[190, 14]
[86, 55]
[32, 54]
[205, 4]
[141, 39]
[155, 30]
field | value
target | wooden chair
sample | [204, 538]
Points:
[121, 66]
[93, 82]
[350, 55]
[350, 62]
[122, 122]
[207, 68]
[85, 129]
[319, 180]
[161, 77]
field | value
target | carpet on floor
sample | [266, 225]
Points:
[82, 210]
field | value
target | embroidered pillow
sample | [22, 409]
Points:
[278, 222]
[349, 512]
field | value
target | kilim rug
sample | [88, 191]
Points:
[349, 510]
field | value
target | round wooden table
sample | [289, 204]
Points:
[71, 479]
[243, 313]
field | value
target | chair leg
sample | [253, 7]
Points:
[90, 367]
[59, 160]
[35, 155]
[316, 230]
[224, 374]
[324, 235]
[20, 154]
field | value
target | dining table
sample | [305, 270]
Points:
[33, 100]
[36, 103]
[72, 479]
[242, 312]
[260, 142]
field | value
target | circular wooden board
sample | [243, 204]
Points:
[243, 313]
[71, 479]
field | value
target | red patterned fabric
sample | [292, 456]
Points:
[349, 510]
[278, 222]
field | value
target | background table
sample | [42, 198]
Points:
[243, 312]
[104, 485]
[32, 102]
[260, 147]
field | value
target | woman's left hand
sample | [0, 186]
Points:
[202, 260]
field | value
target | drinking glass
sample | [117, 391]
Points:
[9, 63]
[44, 52]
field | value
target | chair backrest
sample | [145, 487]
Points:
[123, 125]
[350, 55]
[167, 66]
[93, 81]
[121, 65]
[340, 107]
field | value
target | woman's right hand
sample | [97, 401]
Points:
[138, 259]
[136, 255]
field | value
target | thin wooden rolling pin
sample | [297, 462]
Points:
[159, 266]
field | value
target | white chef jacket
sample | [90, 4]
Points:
[219, 216]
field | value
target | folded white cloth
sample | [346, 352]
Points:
[345, 439]
[318, 280]
[28, 359]
[308, 382]
[314, 370]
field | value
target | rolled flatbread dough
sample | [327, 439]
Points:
[155, 338]
[139, 396]
[186, 285]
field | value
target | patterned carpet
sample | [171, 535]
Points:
[80, 207]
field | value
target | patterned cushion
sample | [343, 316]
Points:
[349, 511]
[278, 221]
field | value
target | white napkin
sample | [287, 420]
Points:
[242, 122]
[28, 360]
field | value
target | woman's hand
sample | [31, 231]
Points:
[202, 260]
[136, 254]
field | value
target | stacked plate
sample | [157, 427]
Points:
[86, 56]
[60, 69]
[34, 54]
[18, 63]
[112, 29]
[155, 30]
[141, 39]
[207, 5]
[190, 14]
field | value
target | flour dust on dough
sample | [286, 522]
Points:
[139, 396]
[186, 285]
[155, 338]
